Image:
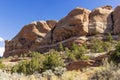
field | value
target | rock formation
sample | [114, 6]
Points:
[29, 38]
[74, 24]
[116, 17]
[100, 20]
[76, 27]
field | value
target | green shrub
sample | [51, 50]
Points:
[115, 57]
[39, 63]
[15, 69]
[1, 65]
[85, 57]
[53, 59]
[96, 46]
[99, 46]
[61, 48]
[78, 51]
[79, 48]
[69, 55]
[33, 66]
[106, 46]
[109, 37]
[36, 64]
[117, 47]
[20, 68]
[34, 54]
[29, 67]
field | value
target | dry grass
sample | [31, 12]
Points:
[109, 71]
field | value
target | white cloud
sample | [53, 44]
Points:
[2, 49]
[1, 39]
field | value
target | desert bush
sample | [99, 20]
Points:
[109, 37]
[79, 48]
[34, 54]
[96, 46]
[33, 66]
[61, 48]
[115, 56]
[58, 71]
[110, 71]
[117, 47]
[71, 75]
[1, 65]
[48, 74]
[29, 67]
[26, 67]
[52, 60]
[106, 46]
[69, 55]
[85, 57]
[36, 63]
[78, 51]
[39, 63]
[99, 46]
[20, 68]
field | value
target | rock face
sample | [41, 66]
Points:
[74, 24]
[116, 16]
[29, 38]
[77, 27]
[51, 23]
[100, 20]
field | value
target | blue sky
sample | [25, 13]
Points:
[14, 14]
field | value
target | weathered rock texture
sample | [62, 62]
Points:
[74, 24]
[76, 27]
[116, 17]
[100, 20]
[29, 38]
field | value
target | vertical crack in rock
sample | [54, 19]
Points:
[112, 21]
[52, 34]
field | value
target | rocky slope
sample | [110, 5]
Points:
[77, 26]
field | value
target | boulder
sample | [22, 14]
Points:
[116, 18]
[100, 21]
[74, 24]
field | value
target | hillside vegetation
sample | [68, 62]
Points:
[52, 65]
